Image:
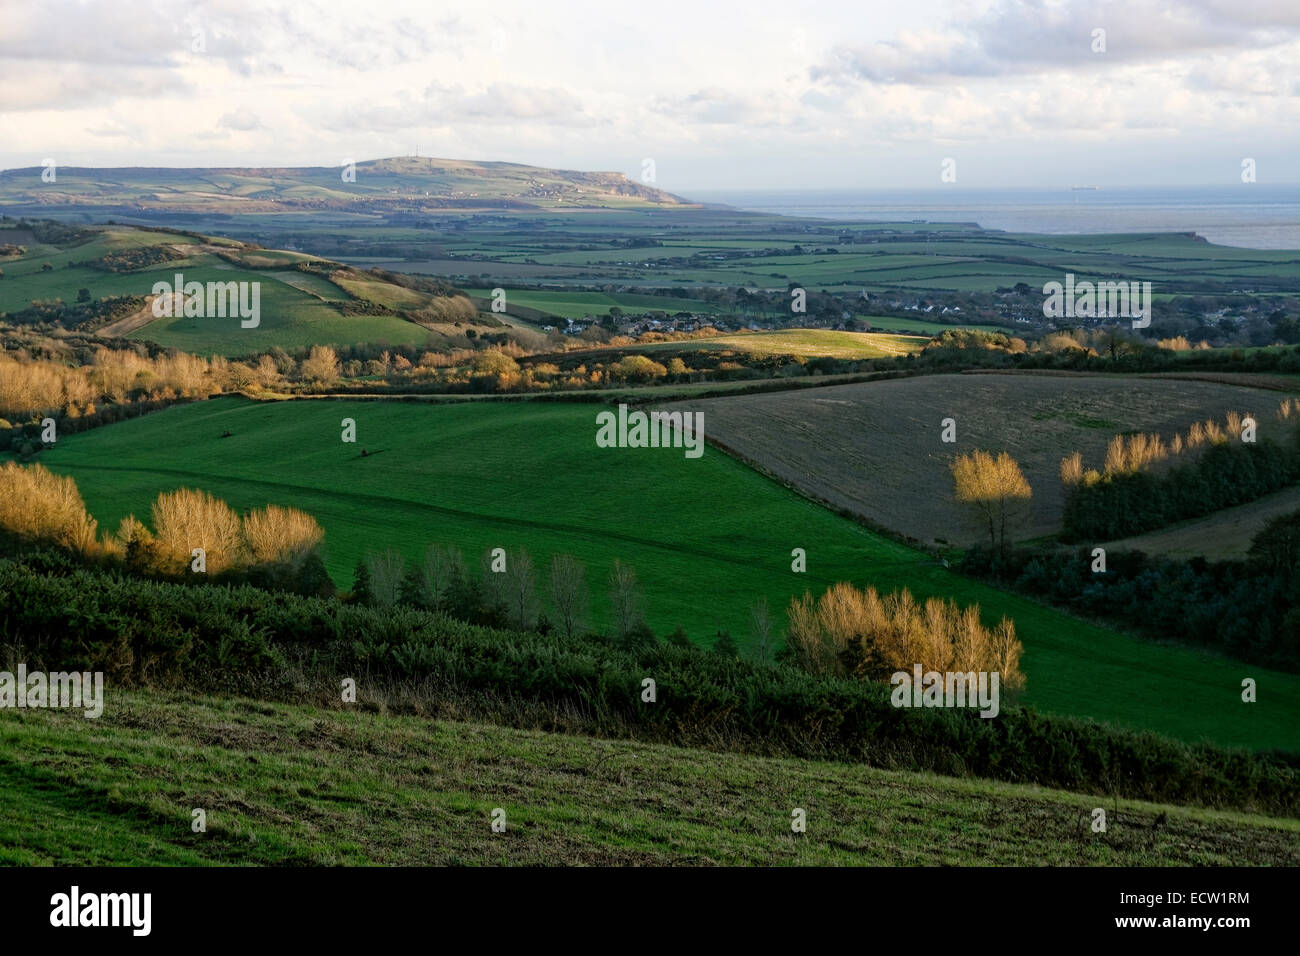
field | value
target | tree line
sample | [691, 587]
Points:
[1147, 484]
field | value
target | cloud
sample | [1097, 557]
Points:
[1025, 37]
[241, 119]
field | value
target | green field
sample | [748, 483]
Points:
[576, 305]
[297, 310]
[290, 319]
[930, 328]
[805, 342]
[706, 536]
[305, 785]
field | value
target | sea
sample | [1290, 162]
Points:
[1249, 215]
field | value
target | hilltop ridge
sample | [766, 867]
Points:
[406, 183]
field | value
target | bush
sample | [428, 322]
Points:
[159, 633]
[855, 633]
[37, 505]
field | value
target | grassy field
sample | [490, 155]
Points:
[305, 785]
[875, 448]
[529, 475]
[809, 343]
[637, 241]
[566, 304]
[1220, 536]
[927, 328]
[290, 318]
[298, 310]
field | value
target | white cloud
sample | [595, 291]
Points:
[726, 93]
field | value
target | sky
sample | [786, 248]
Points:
[867, 94]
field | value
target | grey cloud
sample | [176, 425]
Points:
[1020, 37]
[241, 119]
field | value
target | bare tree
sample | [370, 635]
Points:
[186, 519]
[761, 627]
[994, 488]
[496, 586]
[568, 586]
[386, 572]
[441, 568]
[521, 584]
[624, 598]
[275, 535]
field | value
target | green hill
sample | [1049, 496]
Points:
[707, 537]
[307, 785]
[382, 185]
[304, 300]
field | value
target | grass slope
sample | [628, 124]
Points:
[302, 785]
[298, 310]
[707, 536]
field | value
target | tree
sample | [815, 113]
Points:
[994, 489]
[361, 592]
[83, 295]
[1277, 546]
[521, 591]
[638, 368]
[761, 627]
[430, 584]
[321, 365]
[494, 594]
[186, 519]
[411, 591]
[726, 645]
[625, 599]
[386, 571]
[276, 535]
[568, 587]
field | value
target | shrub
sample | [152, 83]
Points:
[38, 505]
[186, 519]
[161, 632]
[855, 633]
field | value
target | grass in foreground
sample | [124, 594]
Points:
[303, 785]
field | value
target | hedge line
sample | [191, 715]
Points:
[141, 632]
[1136, 502]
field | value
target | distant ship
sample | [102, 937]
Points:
[1078, 188]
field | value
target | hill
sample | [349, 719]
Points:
[311, 785]
[404, 183]
[706, 536]
[875, 450]
[302, 300]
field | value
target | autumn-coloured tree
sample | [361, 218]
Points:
[995, 490]
[186, 519]
[38, 505]
[860, 633]
[321, 365]
[276, 535]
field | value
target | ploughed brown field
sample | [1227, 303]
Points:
[874, 448]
